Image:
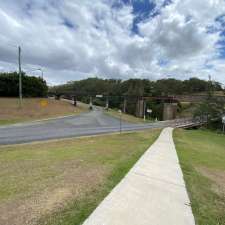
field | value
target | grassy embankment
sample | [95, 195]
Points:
[126, 117]
[61, 182]
[35, 109]
[187, 109]
[202, 158]
[216, 93]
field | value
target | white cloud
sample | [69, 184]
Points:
[73, 39]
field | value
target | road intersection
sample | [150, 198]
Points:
[90, 123]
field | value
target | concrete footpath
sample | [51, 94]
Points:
[152, 193]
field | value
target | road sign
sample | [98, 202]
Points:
[149, 110]
[43, 103]
[99, 96]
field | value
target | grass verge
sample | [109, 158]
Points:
[62, 182]
[126, 117]
[35, 109]
[202, 158]
[187, 109]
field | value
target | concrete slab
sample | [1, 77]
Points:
[152, 193]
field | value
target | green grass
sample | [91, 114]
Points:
[65, 180]
[126, 117]
[9, 121]
[202, 157]
[187, 109]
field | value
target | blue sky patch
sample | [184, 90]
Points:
[68, 24]
[208, 66]
[163, 62]
[142, 10]
[221, 48]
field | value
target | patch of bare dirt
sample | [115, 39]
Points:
[73, 182]
[217, 176]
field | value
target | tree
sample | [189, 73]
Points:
[32, 86]
[132, 89]
[168, 87]
[211, 108]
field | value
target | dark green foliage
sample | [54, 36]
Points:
[157, 109]
[32, 86]
[169, 87]
[195, 85]
[136, 87]
[212, 108]
[132, 89]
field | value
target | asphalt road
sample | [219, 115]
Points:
[91, 123]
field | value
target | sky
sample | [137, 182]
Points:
[122, 39]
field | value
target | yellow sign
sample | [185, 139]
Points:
[43, 103]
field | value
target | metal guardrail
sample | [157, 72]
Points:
[191, 122]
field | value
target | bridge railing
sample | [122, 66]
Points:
[191, 121]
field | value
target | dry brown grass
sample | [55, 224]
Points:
[39, 181]
[10, 112]
[217, 176]
[51, 196]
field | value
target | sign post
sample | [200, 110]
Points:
[90, 103]
[120, 112]
[149, 111]
[223, 121]
[144, 110]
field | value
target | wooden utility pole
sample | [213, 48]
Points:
[124, 105]
[90, 103]
[20, 77]
[107, 103]
[144, 110]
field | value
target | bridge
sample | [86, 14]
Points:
[170, 101]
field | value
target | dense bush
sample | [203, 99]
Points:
[32, 86]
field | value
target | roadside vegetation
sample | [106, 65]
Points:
[35, 109]
[187, 109]
[215, 93]
[117, 90]
[61, 182]
[202, 158]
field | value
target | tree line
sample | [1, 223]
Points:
[32, 86]
[116, 89]
[137, 87]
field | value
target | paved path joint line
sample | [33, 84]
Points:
[150, 198]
